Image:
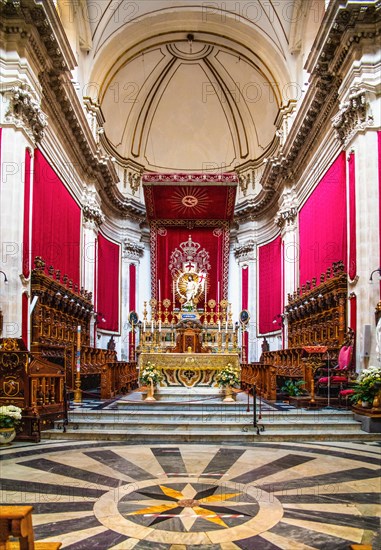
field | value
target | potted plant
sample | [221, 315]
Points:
[293, 388]
[150, 376]
[367, 386]
[227, 378]
[10, 418]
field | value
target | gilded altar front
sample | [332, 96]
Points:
[189, 369]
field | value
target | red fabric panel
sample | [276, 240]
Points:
[56, 221]
[165, 240]
[26, 244]
[379, 195]
[25, 316]
[323, 223]
[108, 284]
[352, 268]
[270, 284]
[132, 301]
[245, 304]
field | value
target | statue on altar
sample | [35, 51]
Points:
[191, 290]
[190, 287]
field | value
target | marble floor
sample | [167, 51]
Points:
[111, 495]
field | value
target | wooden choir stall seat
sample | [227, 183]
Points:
[337, 377]
[16, 523]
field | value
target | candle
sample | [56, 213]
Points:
[160, 326]
[78, 348]
[144, 326]
[152, 322]
[219, 326]
[226, 326]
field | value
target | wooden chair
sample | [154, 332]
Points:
[16, 522]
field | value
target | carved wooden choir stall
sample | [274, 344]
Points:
[37, 380]
[316, 326]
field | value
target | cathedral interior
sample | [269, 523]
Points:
[190, 296]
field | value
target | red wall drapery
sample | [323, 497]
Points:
[132, 303]
[108, 284]
[165, 240]
[56, 221]
[270, 284]
[352, 268]
[26, 245]
[323, 223]
[245, 304]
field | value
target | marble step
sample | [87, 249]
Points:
[166, 421]
[210, 413]
[206, 436]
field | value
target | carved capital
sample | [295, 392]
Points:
[24, 111]
[92, 212]
[245, 251]
[131, 250]
[354, 116]
[286, 217]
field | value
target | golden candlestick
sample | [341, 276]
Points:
[166, 304]
[77, 390]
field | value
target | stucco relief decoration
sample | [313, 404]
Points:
[354, 116]
[131, 250]
[133, 179]
[24, 111]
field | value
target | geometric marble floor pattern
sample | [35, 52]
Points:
[291, 496]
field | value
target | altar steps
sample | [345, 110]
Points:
[162, 422]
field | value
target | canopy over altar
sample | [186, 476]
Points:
[190, 334]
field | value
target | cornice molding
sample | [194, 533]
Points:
[38, 25]
[345, 26]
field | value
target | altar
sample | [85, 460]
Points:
[189, 369]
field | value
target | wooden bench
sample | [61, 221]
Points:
[16, 521]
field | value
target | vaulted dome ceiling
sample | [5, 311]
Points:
[184, 90]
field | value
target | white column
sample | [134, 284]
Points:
[131, 255]
[289, 234]
[13, 146]
[246, 255]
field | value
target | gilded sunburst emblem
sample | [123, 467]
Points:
[190, 200]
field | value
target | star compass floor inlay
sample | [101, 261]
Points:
[269, 496]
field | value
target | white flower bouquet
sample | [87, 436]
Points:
[10, 416]
[228, 376]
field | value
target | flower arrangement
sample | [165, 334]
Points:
[150, 374]
[10, 416]
[228, 376]
[367, 385]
